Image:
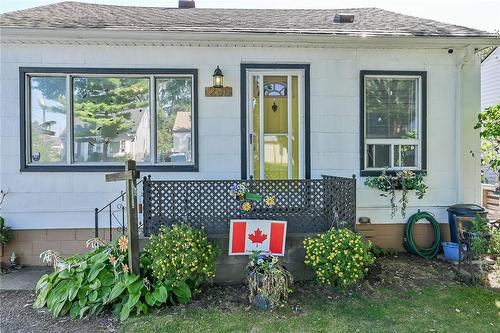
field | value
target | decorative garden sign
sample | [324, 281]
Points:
[246, 236]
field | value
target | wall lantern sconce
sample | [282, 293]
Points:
[217, 89]
[218, 78]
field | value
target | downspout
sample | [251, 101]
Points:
[469, 54]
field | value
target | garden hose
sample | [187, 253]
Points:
[409, 242]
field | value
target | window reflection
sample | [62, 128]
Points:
[111, 119]
[48, 120]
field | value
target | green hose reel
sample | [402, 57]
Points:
[409, 242]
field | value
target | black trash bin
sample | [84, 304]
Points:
[466, 210]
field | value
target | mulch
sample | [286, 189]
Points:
[398, 273]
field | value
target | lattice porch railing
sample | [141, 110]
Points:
[309, 205]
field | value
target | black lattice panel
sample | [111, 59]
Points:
[307, 205]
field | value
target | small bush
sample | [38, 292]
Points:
[182, 254]
[383, 252]
[338, 257]
[5, 232]
[494, 243]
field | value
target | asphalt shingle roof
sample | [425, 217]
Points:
[367, 21]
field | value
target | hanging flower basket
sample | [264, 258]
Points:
[403, 181]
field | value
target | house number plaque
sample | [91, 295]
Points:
[218, 92]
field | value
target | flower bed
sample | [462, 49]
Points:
[100, 279]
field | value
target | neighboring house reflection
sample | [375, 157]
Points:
[181, 133]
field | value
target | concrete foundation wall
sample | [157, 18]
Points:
[231, 269]
[28, 244]
[390, 236]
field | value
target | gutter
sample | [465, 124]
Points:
[190, 38]
[469, 55]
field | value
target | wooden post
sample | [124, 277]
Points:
[130, 176]
[133, 233]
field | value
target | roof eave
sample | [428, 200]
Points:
[318, 39]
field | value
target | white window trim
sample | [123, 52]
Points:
[394, 142]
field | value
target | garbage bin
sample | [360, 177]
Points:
[466, 210]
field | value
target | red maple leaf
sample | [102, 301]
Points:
[257, 236]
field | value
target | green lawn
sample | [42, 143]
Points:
[453, 308]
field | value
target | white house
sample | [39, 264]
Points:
[337, 92]
[490, 95]
[490, 79]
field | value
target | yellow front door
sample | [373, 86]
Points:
[275, 126]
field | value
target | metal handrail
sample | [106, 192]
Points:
[111, 214]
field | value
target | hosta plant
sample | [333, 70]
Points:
[338, 257]
[87, 284]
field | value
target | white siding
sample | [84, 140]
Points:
[58, 200]
[490, 80]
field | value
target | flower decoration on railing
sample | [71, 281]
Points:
[270, 201]
[246, 206]
[238, 191]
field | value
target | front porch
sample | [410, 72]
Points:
[309, 206]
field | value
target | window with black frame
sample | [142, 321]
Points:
[393, 120]
[95, 118]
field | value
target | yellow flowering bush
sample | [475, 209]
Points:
[182, 254]
[338, 257]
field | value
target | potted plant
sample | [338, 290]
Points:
[269, 282]
[403, 181]
[5, 235]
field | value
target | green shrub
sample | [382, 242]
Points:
[100, 279]
[494, 243]
[182, 254]
[5, 232]
[383, 252]
[338, 256]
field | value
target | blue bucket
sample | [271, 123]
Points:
[451, 251]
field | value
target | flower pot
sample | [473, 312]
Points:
[259, 301]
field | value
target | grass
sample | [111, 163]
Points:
[453, 308]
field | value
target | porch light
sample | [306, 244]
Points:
[218, 78]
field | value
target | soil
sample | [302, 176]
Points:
[397, 273]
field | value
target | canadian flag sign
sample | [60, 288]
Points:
[246, 236]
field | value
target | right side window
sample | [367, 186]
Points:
[393, 119]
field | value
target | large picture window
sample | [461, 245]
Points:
[393, 121]
[95, 119]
